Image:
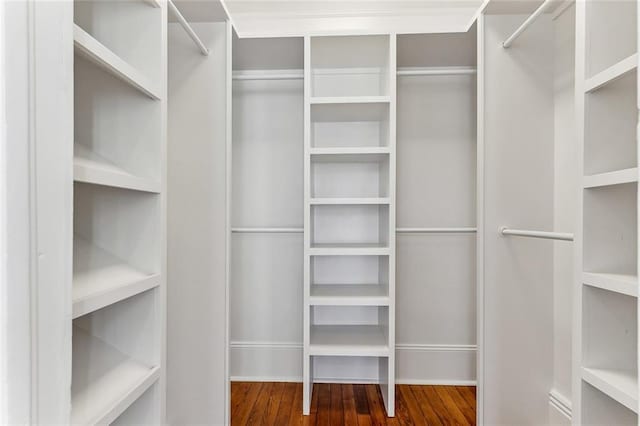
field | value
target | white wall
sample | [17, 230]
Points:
[196, 381]
[518, 114]
[566, 188]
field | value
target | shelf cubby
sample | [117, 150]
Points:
[599, 409]
[607, 21]
[610, 344]
[349, 224]
[348, 175]
[129, 29]
[610, 229]
[141, 412]
[347, 125]
[350, 66]
[114, 361]
[349, 340]
[610, 126]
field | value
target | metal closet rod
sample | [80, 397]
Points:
[188, 28]
[530, 20]
[298, 75]
[461, 230]
[562, 236]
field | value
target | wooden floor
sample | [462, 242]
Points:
[335, 404]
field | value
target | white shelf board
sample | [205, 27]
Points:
[349, 250]
[349, 201]
[349, 295]
[152, 3]
[90, 167]
[612, 73]
[619, 283]
[100, 55]
[611, 178]
[316, 100]
[348, 340]
[620, 385]
[350, 155]
[105, 382]
[101, 279]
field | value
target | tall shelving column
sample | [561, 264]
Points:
[349, 206]
[606, 302]
[119, 212]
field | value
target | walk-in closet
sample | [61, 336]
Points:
[229, 212]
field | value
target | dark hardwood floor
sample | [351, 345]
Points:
[280, 404]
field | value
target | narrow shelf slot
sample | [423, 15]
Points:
[349, 295]
[350, 201]
[618, 283]
[348, 340]
[100, 55]
[101, 279]
[317, 100]
[611, 178]
[89, 167]
[349, 250]
[620, 385]
[612, 73]
[105, 382]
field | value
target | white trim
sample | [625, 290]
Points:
[399, 346]
[359, 381]
[298, 74]
[228, 198]
[560, 403]
[437, 382]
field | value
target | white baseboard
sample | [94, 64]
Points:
[417, 364]
[561, 406]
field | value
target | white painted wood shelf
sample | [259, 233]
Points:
[611, 74]
[618, 283]
[89, 167]
[355, 154]
[617, 177]
[101, 279]
[350, 201]
[372, 249]
[620, 385]
[316, 100]
[103, 57]
[349, 295]
[348, 340]
[105, 381]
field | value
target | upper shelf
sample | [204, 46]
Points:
[105, 381]
[316, 100]
[90, 167]
[618, 177]
[100, 279]
[618, 283]
[621, 385]
[99, 54]
[612, 73]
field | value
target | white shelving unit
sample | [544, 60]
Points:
[606, 341]
[119, 212]
[349, 204]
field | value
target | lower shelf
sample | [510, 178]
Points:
[104, 380]
[100, 279]
[349, 340]
[618, 283]
[620, 385]
[349, 295]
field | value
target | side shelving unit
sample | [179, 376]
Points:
[606, 302]
[349, 205]
[119, 243]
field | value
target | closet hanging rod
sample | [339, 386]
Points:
[530, 20]
[435, 230]
[298, 74]
[562, 236]
[188, 28]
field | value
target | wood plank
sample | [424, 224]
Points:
[349, 406]
[430, 395]
[412, 406]
[271, 412]
[376, 407]
[324, 404]
[246, 407]
[336, 408]
[238, 393]
[296, 417]
[260, 405]
[286, 404]
[454, 413]
[468, 412]
[403, 415]
[469, 395]
[362, 405]
[428, 411]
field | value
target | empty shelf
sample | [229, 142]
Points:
[349, 250]
[612, 73]
[104, 381]
[619, 283]
[620, 385]
[90, 167]
[349, 295]
[618, 177]
[100, 55]
[101, 279]
[349, 99]
[349, 201]
[348, 340]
